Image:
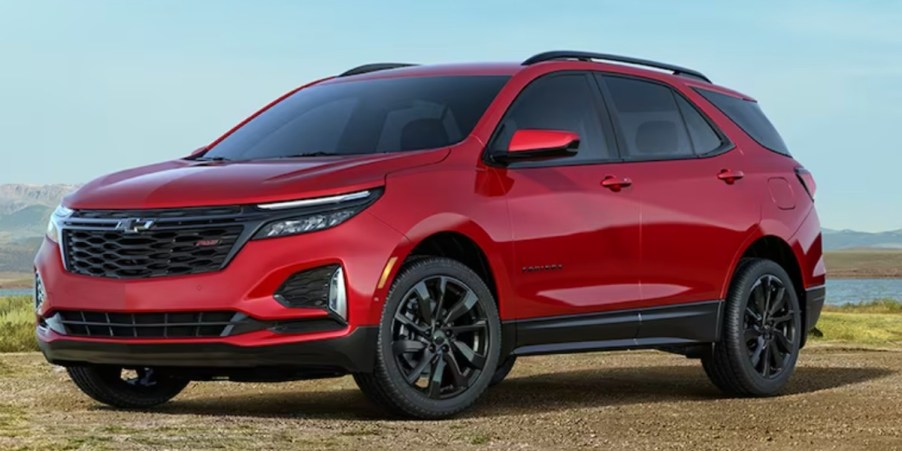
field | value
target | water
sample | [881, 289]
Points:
[839, 291]
[853, 291]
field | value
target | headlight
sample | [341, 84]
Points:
[58, 216]
[310, 215]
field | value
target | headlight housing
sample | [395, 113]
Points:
[311, 215]
[53, 227]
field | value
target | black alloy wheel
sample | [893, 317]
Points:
[440, 337]
[439, 341]
[761, 334]
[769, 326]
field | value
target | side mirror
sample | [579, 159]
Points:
[529, 144]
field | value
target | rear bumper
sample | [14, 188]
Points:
[814, 300]
[350, 353]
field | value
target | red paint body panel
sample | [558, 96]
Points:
[556, 240]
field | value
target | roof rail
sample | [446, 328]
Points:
[366, 68]
[589, 56]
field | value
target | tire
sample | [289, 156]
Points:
[761, 334]
[504, 368]
[106, 385]
[457, 357]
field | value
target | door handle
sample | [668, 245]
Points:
[616, 183]
[730, 176]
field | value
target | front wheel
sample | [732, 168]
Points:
[762, 332]
[439, 341]
[128, 389]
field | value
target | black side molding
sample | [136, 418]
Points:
[658, 327]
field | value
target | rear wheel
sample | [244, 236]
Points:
[439, 341]
[762, 327]
[129, 389]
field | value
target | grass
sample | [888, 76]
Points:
[876, 306]
[861, 328]
[864, 263]
[17, 324]
[877, 322]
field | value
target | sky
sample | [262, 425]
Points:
[91, 87]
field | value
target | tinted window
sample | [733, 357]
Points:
[367, 116]
[649, 118]
[704, 138]
[749, 117]
[558, 102]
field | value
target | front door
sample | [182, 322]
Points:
[576, 233]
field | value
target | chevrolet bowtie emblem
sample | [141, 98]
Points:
[134, 225]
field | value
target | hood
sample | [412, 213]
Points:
[187, 183]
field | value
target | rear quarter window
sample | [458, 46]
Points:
[749, 117]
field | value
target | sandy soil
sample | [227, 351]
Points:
[840, 398]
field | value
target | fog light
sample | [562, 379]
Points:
[338, 299]
[40, 293]
[321, 288]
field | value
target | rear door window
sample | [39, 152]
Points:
[704, 139]
[656, 122]
[650, 121]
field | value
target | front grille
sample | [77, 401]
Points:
[138, 244]
[154, 253]
[153, 325]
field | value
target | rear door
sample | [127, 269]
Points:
[576, 242]
[696, 207]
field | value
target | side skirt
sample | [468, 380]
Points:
[668, 328]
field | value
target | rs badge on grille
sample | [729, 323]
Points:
[207, 243]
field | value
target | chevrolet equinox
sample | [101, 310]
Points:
[422, 227]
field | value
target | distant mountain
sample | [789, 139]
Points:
[847, 239]
[24, 212]
[25, 209]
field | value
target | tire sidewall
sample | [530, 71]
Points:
[410, 276]
[737, 301]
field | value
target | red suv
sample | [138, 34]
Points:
[422, 227]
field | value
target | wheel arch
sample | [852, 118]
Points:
[776, 249]
[459, 238]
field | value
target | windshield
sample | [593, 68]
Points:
[368, 116]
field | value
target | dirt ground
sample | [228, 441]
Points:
[840, 398]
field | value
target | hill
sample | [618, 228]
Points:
[25, 209]
[852, 239]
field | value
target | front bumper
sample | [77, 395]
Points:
[362, 246]
[350, 353]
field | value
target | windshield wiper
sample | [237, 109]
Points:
[311, 154]
[213, 159]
